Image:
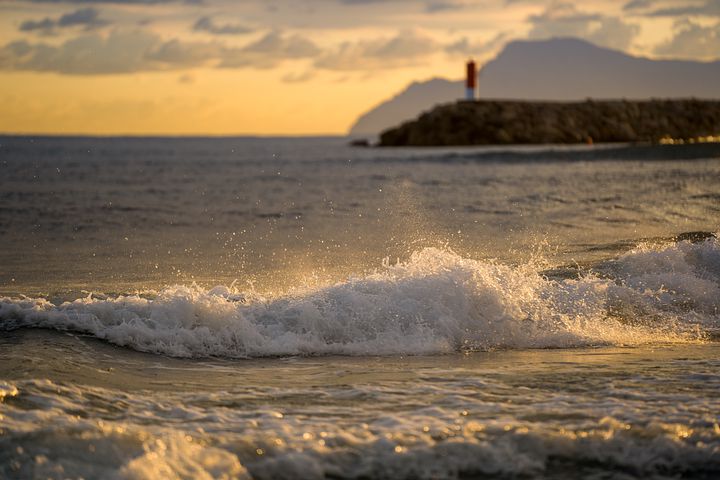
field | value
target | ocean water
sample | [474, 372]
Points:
[296, 308]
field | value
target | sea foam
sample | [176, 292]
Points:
[435, 302]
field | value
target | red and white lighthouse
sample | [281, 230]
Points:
[470, 80]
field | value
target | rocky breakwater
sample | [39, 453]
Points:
[524, 122]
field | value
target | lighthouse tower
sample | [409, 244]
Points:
[470, 80]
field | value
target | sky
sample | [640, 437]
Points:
[285, 67]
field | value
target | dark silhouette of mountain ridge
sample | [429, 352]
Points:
[559, 69]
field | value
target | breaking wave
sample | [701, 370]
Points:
[436, 302]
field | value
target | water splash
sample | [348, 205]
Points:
[436, 302]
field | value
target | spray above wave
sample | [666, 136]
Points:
[436, 302]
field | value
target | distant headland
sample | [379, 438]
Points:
[500, 122]
[559, 69]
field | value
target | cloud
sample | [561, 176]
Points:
[442, 6]
[269, 51]
[44, 25]
[119, 52]
[298, 77]
[360, 2]
[466, 48]
[637, 4]
[431, 6]
[405, 49]
[564, 20]
[207, 24]
[692, 40]
[178, 54]
[275, 43]
[710, 8]
[122, 2]
[123, 51]
[186, 78]
[88, 18]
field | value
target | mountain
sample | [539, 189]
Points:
[407, 104]
[564, 69]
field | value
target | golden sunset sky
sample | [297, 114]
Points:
[285, 67]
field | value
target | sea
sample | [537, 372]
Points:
[297, 308]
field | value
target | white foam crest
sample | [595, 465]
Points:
[683, 276]
[7, 390]
[424, 444]
[436, 302]
[178, 457]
